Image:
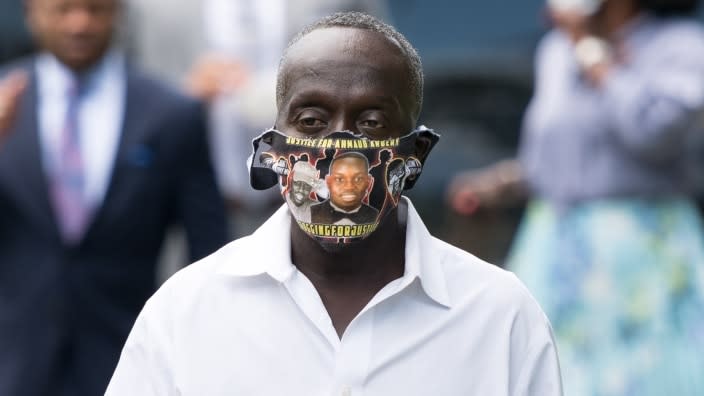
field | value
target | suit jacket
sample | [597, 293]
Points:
[324, 213]
[65, 311]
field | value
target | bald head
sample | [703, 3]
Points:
[396, 46]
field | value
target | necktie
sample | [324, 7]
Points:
[68, 181]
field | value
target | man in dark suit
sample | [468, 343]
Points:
[96, 161]
[348, 182]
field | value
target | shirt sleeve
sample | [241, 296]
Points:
[540, 371]
[535, 367]
[653, 102]
[144, 368]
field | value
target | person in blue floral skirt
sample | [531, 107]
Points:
[611, 243]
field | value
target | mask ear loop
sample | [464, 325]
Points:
[423, 142]
[262, 175]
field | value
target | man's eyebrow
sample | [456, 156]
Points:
[307, 94]
[307, 97]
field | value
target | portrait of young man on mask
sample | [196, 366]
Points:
[306, 308]
[348, 182]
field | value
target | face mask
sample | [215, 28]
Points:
[340, 187]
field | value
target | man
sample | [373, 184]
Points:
[304, 179]
[285, 311]
[348, 182]
[96, 161]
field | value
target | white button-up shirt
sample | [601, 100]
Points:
[245, 321]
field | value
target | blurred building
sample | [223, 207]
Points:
[14, 38]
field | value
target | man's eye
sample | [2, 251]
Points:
[309, 121]
[371, 124]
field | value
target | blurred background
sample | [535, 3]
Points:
[478, 60]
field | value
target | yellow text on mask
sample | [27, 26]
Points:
[337, 231]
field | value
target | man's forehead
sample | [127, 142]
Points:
[349, 161]
[349, 59]
[325, 45]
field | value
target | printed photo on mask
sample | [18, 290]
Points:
[349, 183]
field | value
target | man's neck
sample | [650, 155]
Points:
[347, 277]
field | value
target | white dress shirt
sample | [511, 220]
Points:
[245, 321]
[100, 117]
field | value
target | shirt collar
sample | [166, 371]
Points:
[261, 258]
[56, 77]
[423, 259]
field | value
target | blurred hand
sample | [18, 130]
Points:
[11, 89]
[580, 27]
[215, 74]
[575, 24]
[500, 185]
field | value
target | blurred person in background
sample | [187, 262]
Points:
[611, 243]
[96, 160]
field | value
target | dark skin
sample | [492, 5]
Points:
[76, 32]
[11, 89]
[348, 79]
[348, 182]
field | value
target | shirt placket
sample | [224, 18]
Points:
[352, 353]
[353, 356]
